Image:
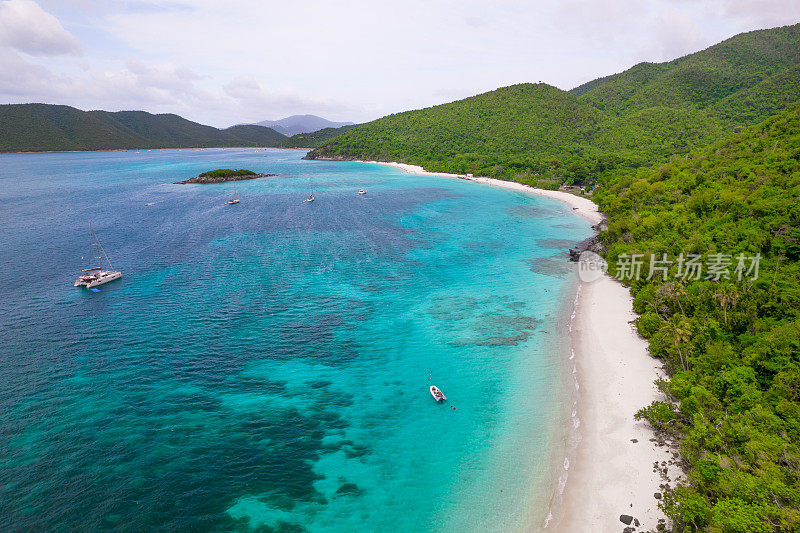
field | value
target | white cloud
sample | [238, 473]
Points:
[252, 103]
[350, 60]
[675, 34]
[158, 88]
[243, 87]
[27, 28]
[757, 14]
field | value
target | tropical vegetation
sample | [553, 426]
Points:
[226, 172]
[315, 139]
[730, 339]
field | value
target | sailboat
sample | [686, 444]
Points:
[94, 276]
[311, 194]
[235, 199]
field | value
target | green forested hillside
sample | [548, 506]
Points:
[642, 116]
[36, 127]
[700, 79]
[732, 346]
[39, 127]
[513, 131]
[315, 139]
[256, 135]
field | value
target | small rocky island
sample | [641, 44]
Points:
[221, 175]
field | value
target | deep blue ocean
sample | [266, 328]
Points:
[266, 365]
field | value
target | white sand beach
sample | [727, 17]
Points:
[611, 470]
[582, 206]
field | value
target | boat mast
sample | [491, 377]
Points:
[100, 250]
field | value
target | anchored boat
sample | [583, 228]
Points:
[437, 394]
[94, 276]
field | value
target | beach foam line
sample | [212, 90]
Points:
[612, 472]
[582, 206]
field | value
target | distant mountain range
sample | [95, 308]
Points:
[46, 127]
[301, 124]
[43, 127]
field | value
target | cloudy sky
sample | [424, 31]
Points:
[232, 61]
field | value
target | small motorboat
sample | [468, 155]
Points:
[361, 192]
[437, 394]
[310, 198]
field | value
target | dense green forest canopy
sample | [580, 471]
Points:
[314, 139]
[732, 346]
[541, 135]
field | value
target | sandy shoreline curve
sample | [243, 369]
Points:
[582, 206]
[614, 465]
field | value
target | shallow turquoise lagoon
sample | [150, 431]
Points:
[266, 365]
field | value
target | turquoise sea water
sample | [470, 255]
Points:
[266, 365]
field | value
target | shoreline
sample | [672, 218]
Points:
[582, 206]
[609, 459]
[611, 456]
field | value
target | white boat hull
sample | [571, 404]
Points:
[100, 278]
[437, 394]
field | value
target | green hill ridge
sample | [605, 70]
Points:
[315, 139]
[542, 135]
[43, 127]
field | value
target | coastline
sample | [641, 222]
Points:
[612, 472]
[582, 206]
[609, 466]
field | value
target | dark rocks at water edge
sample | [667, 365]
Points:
[591, 244]
[224, 175]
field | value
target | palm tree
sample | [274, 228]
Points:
[679, 331]
[673, 291]
[727, 295]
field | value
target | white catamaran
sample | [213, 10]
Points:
[92, 277]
